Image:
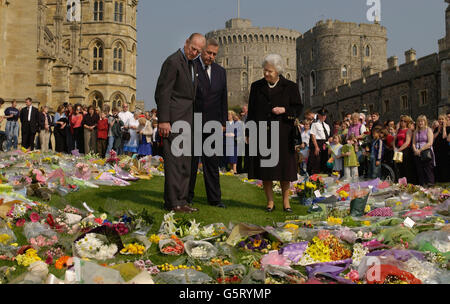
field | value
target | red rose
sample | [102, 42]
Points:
[34, 217]
[98, 221]
[20, 222]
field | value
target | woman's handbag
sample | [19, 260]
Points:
[426, 155]
[126, 135]
[398, 157]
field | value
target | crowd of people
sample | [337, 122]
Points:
[81, 128]
[358, 145]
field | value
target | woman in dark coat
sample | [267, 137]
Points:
[61, 130]
[441, 149]
[274, 99]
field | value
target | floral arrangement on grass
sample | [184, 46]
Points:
[135, 248]
[258, 243]
[113, 159]
[94, 246]
[29, 257]
[307, 188]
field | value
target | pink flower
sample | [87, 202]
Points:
[49, 260]
[353, 275]
[33, 241]
[20, 222]
[34, 217]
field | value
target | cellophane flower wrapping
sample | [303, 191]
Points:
[7, 237]
[33, 230]
[182, 276]
[201, 250]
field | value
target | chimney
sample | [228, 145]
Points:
[410, 55]
[392, 62]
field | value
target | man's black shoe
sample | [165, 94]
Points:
[219, 204]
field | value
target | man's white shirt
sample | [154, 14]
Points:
[125, 117]
[318, 132]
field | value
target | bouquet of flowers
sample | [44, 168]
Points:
[306, 189]
[82, 171]
[113, 159]
[171, 246]
[95, 246]
[181, 227]
[22, 212]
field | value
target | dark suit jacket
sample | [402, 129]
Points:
[212, 97]
[175, 92]
[34, 120]
[42, 121]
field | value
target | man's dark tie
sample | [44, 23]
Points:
[325, 131]
[206, 72]
[191, 69]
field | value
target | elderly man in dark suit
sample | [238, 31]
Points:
[29, 118]
[211, 101]
[174, 96]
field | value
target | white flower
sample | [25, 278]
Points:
[207, 231]
[286, 236]
[199, 252]
[103, 216]
[194, 230]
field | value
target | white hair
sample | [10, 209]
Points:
[274, 60]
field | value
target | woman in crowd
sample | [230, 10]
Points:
[89, 123]
[441, 149]
[61, 130]
[45, 123]
[77, 129]
[275, 99]
[102, 134]
[131, 146]
[356, 127]
[145, 131]
[423, 151]
[403, 142]
[231, 142]
[304, 147]
[69, 138]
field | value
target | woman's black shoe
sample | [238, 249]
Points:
[287, 209]
[270, 209]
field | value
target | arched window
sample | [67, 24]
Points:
[97, 61]
[272, 38]
[245, 60]
[220, 40]
[244, 81]
[97, 100]
[302, 88]
[245, 39]
[234, 39]
[117, 101]
[98, 10]
[240, 38]
[313, 83]
[355, 50]
[267, 38]
[118, 54]
[367, 51]
[118, 11]
[344, 71]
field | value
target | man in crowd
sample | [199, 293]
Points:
[12, 125]
[318, 153]
[175, 95]
[29, 117]
[124, 116]
[211, 101]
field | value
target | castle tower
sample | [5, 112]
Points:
[242, 50]
[334, 53]
[106, 37]
[444, 57]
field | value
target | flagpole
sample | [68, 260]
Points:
[239, 9]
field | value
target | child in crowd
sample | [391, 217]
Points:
[376, 153]
[335, 151]
[102, 134]
[145, 131]
[350, 161]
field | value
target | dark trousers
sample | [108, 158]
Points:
[425, 171]
[317, 164]
[101, 146]
[78, 139]
[242, 163]
[27, 136]
[177, 172]
[210, 176]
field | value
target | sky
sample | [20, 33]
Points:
[163, 26]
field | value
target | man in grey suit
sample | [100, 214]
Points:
[174, 96]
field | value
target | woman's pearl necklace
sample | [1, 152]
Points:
[273, 85]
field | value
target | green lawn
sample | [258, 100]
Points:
[245, 202]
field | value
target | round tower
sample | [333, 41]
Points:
[242, 50]
[334, 53]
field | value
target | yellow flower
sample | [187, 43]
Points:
[367, 209]
[291, 226]
[154, 238]
[366, 223]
